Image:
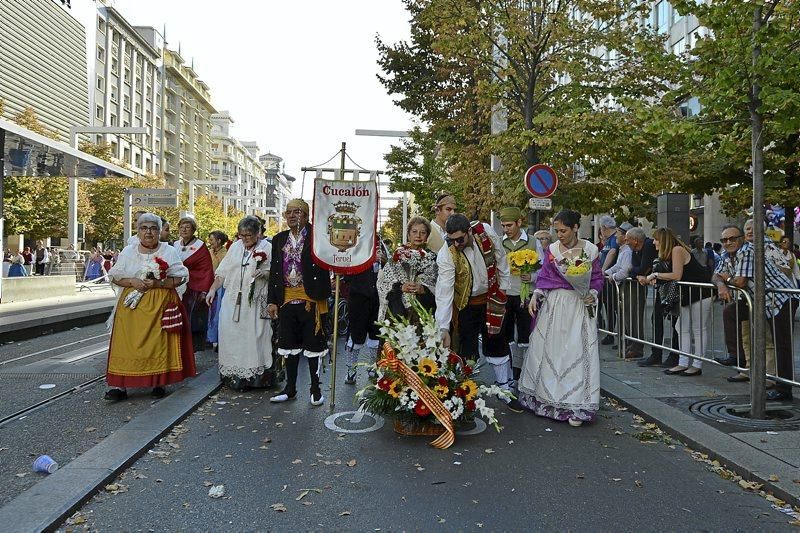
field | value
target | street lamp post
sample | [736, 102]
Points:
[72, 201]
[399, 134]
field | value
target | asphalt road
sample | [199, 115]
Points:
[283, 470]
[69, 426]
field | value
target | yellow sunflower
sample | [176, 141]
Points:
[471, 389]
[441, 391]
[396, 388]
[428, 367]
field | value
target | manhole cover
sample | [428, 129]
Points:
[779, 417]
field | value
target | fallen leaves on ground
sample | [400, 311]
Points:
[352, 462]
[774, 477]
[90, 429]
[278, 507]
[76, 519]
[345, 513]
[488, 450]
[297, 462]
[116, 488]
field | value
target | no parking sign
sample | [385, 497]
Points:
[541, 181]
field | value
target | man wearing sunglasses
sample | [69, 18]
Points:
[471, 294]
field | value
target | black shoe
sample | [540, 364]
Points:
[779, 395]
[726, 361]
[116, 395]
[515, 406]
[607, 340]
[670, 361]
[158, 393]
[671, 372]
[686, 373]
[350, 379]
[650, 361]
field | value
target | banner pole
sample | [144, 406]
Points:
[335, 342]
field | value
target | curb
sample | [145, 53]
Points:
[749, 462]
[53, 499]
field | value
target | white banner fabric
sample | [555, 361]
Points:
[345, 220]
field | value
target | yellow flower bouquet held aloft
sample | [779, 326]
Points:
[421, 384]
[524, 261]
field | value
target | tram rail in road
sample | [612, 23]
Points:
[61, 363]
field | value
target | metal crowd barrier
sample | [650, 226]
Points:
[638, 321]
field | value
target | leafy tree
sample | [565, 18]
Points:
[535, 66]
[723, 72]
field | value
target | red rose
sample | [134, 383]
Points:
[421, 409]
[578, 263]
[453, 359]
[443, 381]
[384, 383]
[471, 405]
[467, 370]
[461, 392]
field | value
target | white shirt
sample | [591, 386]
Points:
[619, 270]
[133, 239]
[445, 283]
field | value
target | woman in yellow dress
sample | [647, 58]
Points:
[151, 340]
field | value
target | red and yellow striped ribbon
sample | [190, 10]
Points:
[390, 361]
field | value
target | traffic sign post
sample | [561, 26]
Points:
[540, 204]
[143, 199]
[541, 181]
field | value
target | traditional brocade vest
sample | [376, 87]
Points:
[495, 299]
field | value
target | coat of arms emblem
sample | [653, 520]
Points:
[344, 226]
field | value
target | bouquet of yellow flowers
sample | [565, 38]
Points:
[578, 272]
[525, 261]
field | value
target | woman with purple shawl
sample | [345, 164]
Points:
[561, 376]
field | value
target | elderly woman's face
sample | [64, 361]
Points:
[185, 231]
[417, 235]
[148, 233]
[249, 238]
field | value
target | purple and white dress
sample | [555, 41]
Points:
[561, 376]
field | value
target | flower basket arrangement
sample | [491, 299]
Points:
[423, 386]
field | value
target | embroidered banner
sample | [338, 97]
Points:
[345, 221]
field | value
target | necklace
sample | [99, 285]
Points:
[185, 245]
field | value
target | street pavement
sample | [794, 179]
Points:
[70, 426]
[283, 469]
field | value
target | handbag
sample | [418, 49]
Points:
[670, 296]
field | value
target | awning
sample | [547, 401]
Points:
[27, 153]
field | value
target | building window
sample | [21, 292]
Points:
[663, 16]
[114, 66]
[101, 53]
[138, 109]
[100, 83]
[113, 119]
[679, 47]
[127, 156]
[113, 94]
[128, 76]
[101, 24]
[148, 117]
[126, 102]
[100, 113]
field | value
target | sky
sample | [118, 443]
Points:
[297, 76]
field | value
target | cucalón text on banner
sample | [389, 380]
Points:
[345, 225]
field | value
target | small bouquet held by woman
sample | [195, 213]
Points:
[578, 272]
[261, 259]
[525, 261]
[155, 268]
[420, 383]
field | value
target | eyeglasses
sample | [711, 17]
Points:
[725, 240]
[149, 229]
[457, 240]
[294, 212]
